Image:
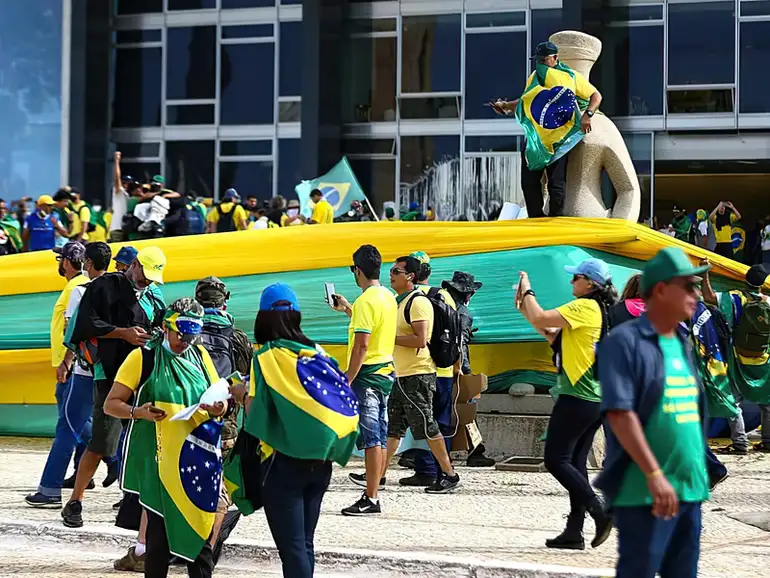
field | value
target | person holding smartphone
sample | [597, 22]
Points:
[292, 216]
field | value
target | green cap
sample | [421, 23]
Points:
[668, 264]
[421, 256]
[159, 179]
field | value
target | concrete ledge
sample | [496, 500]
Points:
[512, 435]
[439, 566]
[502, 403]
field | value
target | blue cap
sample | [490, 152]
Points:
[595, 269]
[414, 205]
[126, 255]
[231, 194]
[276, 293]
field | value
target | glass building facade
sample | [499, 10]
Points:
[260, 94]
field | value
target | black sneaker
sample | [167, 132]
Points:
[73, 514]
[360, 480]
[444, 484]
[732, 450]
[69, 483]
[38, 500]
[406, 462]
[714, 481]
[417, 481]
[479, 461]
[363, 507]
[112, 475]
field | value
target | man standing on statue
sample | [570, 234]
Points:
[555, 112]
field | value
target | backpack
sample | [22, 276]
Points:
[752, 334]
[243, 352]
[196, 222]
[446, 339]
[218, 341]
[93, 221]
[226, 223]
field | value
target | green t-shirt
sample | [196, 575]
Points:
[675, 435]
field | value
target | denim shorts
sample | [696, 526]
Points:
[372, 417]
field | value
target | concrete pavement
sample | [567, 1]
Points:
[494, 525]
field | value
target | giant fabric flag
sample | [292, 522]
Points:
[176, 466]
[339, 186]
[302, 406]
[549, 113]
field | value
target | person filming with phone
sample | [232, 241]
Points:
[723, 217]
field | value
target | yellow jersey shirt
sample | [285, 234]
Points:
[58, 351]
[374, 312]
[410, 361]
[239, 216]
[323, 213]
[725, 234]
[80, 214]
[578, 349]
[130, 371]
[442, 371]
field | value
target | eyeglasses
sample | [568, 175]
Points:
[576, 278]
[397, 271]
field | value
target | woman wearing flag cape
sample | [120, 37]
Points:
[174, 466]
[305, 416]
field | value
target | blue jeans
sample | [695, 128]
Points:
[292, 492]
[425, 464]
[716, 469]
[647, 544]
[372, 417]
[75, 400]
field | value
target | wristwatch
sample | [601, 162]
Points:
[528, 292]
[589, 113]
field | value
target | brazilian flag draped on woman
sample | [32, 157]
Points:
[549, 111]
[176, 466]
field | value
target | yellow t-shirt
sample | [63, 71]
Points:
[411, 361]
[239, 216]
[130, 371]
[582, 87]
[578, 349]
[285, 221]
[725, 234]
[79, 216]
[442, 371]
[374, 312]
[323, 213]
[58, 351]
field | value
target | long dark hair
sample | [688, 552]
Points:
[633, 288]
[723, 219]
[272, 325]
[605, 295]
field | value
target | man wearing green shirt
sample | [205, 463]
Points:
[655, 473]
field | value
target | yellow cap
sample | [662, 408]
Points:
[45, 200]
[153, 261]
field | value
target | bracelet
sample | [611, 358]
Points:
[131, 412]
[654, 474]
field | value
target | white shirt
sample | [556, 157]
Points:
[72, 306]
[119, 206]
[766, 238]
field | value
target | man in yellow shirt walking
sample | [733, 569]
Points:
[371, 340]
[323, 212]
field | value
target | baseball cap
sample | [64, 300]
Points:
[756, 276]
[72, 251]
[668, 264]
[159, 180]
[231, 194]
[545, 49]
[421, 256]
[211, 291]
[153, 261]
[45, 200]
[126, 255]
[595, 269]
[276, 293]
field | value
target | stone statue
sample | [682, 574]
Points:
[601, 149]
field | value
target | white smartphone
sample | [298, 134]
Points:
[329, 292]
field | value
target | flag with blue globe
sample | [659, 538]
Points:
[339, 186]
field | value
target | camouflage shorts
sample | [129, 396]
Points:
[410, 405]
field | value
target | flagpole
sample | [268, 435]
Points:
[371, 210]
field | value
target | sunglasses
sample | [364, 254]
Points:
[576, 278]
[397, 271]
[353, 269]
[688, 285]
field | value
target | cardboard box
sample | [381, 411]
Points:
[470, 387]
[463, 414]
[467, 438]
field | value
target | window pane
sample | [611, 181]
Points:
[290, 111]
[289, 160]
[632, 62]
[235, 148]
[190, 167]
[191, 62]
[290, 72]
[364, 25]
[543, 24]
[247, 31]
[190, 114]
[431, 54]
[430, 169]
[247, 84]
[138, 83]
[137, 149]
[191, 4]
[418, 108]
[640, 148]
[247, 3]
[761, 8]
[132, 36]
[139, 6]
[377, 178]
[489, 144]
[701, 39]
[369, 80]
[755, 48]
[635, 13]
[366, 146]
[248, 178]
[484, 81]
[142, 172]
[496, 19]
[700, 101]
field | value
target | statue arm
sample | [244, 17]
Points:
[620, 169]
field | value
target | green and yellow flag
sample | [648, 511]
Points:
[176, 466]
[549, 113]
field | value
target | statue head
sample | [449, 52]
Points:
[577, 50]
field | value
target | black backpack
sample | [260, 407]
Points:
[218, 341]
[225, 223]
[446, 340]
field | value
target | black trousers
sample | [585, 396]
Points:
[532, 187]
[158, 555]
[571, 431]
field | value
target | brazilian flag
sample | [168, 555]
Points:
[549, 113]
[176, 466]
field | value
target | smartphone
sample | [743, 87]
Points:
[154, 409]
[329, 291]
